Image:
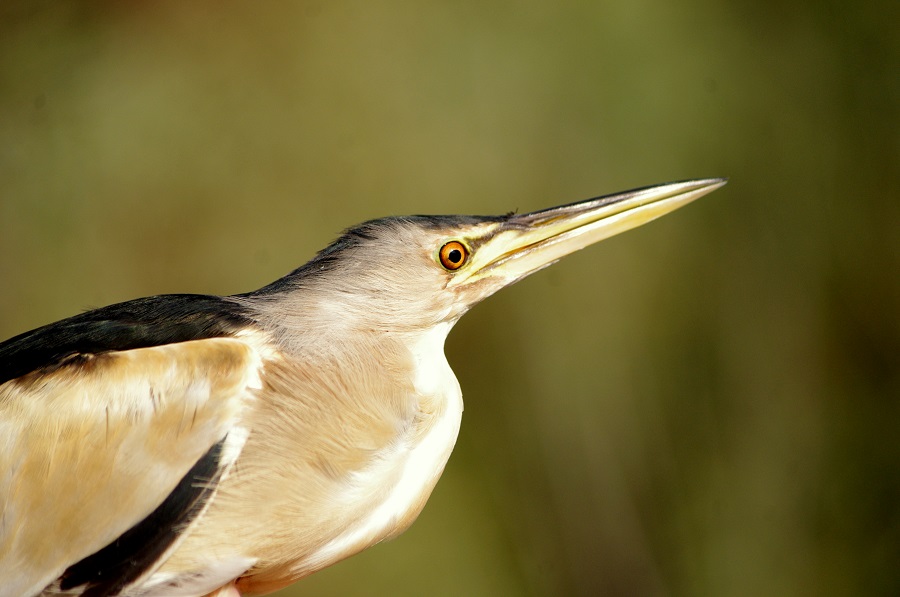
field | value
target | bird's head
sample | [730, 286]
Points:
[413, 273]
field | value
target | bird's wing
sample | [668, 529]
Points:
[107, 458]
[139, 323]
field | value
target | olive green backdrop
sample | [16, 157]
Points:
[708, 405]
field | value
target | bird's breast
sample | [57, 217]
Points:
[409, 471]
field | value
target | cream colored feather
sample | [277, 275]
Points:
[88, 450]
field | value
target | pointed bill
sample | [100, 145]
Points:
[528, 242]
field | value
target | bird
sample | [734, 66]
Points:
[192, 445]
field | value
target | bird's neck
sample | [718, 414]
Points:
[392, 475]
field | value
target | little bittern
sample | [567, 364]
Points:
[186, 445]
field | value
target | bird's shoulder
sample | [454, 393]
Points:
[139, 323]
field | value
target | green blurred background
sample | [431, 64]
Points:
[705, 406]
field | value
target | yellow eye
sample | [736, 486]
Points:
[453, 255]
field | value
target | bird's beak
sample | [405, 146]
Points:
[526, 243]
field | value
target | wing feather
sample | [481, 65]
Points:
[135, 552]
[94, 446]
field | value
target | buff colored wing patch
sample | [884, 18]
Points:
[91, 449]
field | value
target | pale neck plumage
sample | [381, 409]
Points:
[419, 459]
[386, 431]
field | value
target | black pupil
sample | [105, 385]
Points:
[455, 256]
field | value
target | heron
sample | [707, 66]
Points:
[192, 445]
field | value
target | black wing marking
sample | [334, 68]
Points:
[111, 569]
[140, 323]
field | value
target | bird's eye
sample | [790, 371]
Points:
[453, 255]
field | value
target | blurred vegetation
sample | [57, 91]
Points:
[704, 406]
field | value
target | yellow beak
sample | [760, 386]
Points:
[526, 243]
